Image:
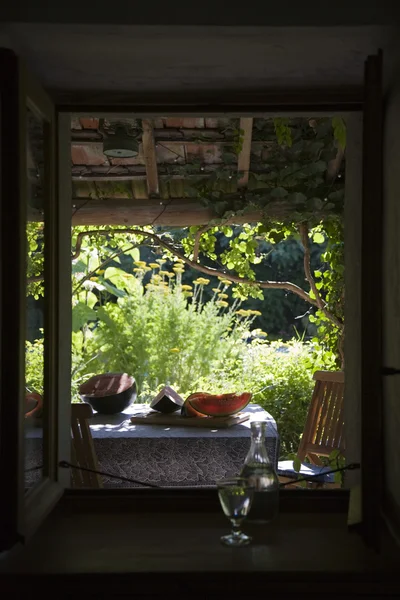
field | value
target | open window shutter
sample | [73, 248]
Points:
[371, 303]
[30, 210]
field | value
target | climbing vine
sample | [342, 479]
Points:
[295, 185]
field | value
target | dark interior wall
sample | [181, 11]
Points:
[155, 61]
[180, 12]
[391, 162]
[391, 291]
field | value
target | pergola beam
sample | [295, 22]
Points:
[165, 135]
[174, 212]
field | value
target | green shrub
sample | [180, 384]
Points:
[34, 365]
[279, 375]
[164, 333]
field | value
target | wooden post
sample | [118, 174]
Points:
[244, 157]
[150, 158]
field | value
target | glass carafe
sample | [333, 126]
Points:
[261, 475]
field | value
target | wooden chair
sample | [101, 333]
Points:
[323, 431]
[83, 453]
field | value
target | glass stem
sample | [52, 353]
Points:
[235, 528]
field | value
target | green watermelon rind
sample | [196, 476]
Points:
[199, 404]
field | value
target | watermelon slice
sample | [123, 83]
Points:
[187, 409]
[219, 405]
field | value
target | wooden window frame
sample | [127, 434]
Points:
[22, 511]
[316, 102]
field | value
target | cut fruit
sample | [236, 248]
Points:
[167, 401]
[218, 405]
[188, 410]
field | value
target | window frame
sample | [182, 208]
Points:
[23, 510]
[314, 102]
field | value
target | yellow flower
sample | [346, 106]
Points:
[174, 350]
[93, 279]
[187, 287]
[222, 296]
[140, 263]
[201, 281]
[138, 270]
[256, 313]
[226, 282]
[163, 272]
[178, 269]
[216, 290]
[243, 313]
[101, 272]
[170, 275]
[222, 303]
[161, 261]
[187, 294]
[154, 265]
[262, 334]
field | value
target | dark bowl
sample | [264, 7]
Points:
[110, 393]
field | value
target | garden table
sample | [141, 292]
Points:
[169, 455]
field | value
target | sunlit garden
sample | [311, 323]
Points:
[219, 308]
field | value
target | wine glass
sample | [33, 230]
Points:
[235, 495]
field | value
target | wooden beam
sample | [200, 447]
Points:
[244, 157]
[178, 212]
[170, 135]
[150, 158]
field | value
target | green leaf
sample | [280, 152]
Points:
[297, 464]
[134, 253]
[317, 203]
[339, 131]
[229, 158]
[116, 276]
[318, 238]
[114, 290]
[79, 267]
[103, 315]
[297, 198]
[94, 263]
[279, 192]
[81, 314]
[334, 454]
[91, 299]
[338, 477]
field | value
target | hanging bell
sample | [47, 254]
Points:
[120, 144]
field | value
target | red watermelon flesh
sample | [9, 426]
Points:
[187, 409]
[219, 405]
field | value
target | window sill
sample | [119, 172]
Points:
[162, 550]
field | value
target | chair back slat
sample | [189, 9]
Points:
[83, 452]
[324, 428]
[335, 425]
[330, 400]
[324, 402]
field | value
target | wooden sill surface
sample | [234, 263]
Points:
[189, 542]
